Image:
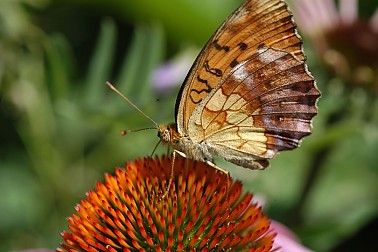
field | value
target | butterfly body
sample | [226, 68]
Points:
[249, 94]
[183, 144]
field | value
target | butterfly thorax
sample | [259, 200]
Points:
[169, 134]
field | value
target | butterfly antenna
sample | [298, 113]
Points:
[130, 102]
[125, 132]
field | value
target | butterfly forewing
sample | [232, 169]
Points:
[255, 23]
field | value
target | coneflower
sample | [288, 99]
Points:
[203, 210]
[347, 42]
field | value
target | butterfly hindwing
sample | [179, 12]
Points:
[264, 105]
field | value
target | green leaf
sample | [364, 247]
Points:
[101, 63]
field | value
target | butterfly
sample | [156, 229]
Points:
[248, 94]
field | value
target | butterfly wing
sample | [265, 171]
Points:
[264, 105]
[255, 23]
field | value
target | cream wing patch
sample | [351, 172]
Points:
[240, 139]
[226, 126]
[217, 102]
[234, 102]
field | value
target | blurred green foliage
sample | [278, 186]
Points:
[60, 123]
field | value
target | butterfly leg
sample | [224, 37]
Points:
[172, 170]
[217, 167]
[207, 162]
[225, 172]
[175, 152]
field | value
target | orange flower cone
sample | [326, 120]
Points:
[204, 210]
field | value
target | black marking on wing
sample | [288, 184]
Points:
[198, 92]
[215, 71]
[234, 63]
[207, 89]
[261, 46]
[242, 46]
[219, 47]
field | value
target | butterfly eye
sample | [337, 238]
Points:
[166, 136]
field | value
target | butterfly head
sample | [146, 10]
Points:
[167, 133]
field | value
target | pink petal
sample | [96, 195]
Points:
[286, 239]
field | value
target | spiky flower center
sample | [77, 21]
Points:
[202, 211]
